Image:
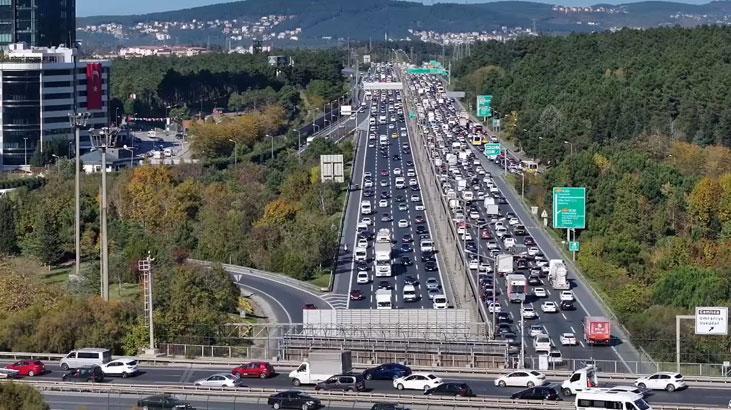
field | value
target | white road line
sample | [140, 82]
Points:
[564, 316]
[572, 329]
[257, 290]
[357, 219]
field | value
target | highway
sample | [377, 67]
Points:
[484, 179]
[481, 386]
[377, 166]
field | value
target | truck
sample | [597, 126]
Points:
[321, 366]
[557, 274]
[383, 299]
[516, 285]
[383, 252]
[597, 330]
[581, 380]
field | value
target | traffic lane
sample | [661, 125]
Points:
[481, 387]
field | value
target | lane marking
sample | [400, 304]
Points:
[247, 286]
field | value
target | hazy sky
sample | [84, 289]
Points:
[96, 7]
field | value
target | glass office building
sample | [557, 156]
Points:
[42, 23]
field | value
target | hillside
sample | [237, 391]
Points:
[373, 19]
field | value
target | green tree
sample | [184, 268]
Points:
[690, 286]
[8, 217]
[15, 396]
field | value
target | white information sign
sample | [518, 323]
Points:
[505, 263]
[711, 321]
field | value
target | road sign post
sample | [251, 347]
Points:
[711, 321]
[484, 106]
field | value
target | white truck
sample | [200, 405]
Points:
[517, 286]
[581, 380]
[557, 274]
[383, 299]
[320, 366]
[383, 252]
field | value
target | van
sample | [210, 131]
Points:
[87, 356]
[426, 245]
[361, 254]
[365, 207]
[410, 293]
[600, 399]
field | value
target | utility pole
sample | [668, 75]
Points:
[145, 267]
[103, 139]
[522, 338]
[77, 121]
[272, 138]
[25, 151]
[235, 156]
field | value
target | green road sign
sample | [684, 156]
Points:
[569, 208]
[424, 71]
[574, 246]
[484, 106]
[495, 123]
[492, 150]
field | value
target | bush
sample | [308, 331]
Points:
[17, 396]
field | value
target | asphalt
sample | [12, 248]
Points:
[482, 387]
[370, 159]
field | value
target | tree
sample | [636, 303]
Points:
[20, 396]
[703, 204]
[689, 286]
[44, 240]
[8, 217]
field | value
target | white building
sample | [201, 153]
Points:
[39, 87]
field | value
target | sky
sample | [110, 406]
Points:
[97, 7]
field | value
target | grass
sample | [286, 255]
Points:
[321, 281]
[127, 291]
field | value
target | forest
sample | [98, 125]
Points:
[646, 117]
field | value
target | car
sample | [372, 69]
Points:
[387, 371]
[566, 305]
[84, 374]
[534, 280]
[122, 367]
[383, 203]
[407, 238]
[430, 266]
[344, 382]
[309, 306]
[403, 223]
[513, 221]
[540, 292]
[293, 399]
[163, 401]
[368, 221]
[362, 278]
[528, 312]
[508, 241]
[567, 295]
[386, 218]
[419, 219]
[432, 283]
[629, 389]
[537, 393]
[668, 381]
[28, 367]
[362, 243]
[258, 369]
[494, 307]
[363, 266]
[532, 250]
[536, 330]
[431, 293]
[450, 389]
[503, 317]
[406, 261]
[415, 198]
[406, 248]
[417, 381]
[9, 374]
[403, 207]
[387, 406]
[385, 195]
[549, 307]
[219, 380]
[356, 294]
[567, 339]
[410, 280]
[384, 284]
[397, 171]
[520, 378]
[427, 256]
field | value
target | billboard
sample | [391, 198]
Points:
[331, 168]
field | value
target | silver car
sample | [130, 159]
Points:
[219, 380]
[432, 283]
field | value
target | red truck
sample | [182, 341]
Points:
[597, 330]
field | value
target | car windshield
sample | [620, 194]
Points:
[641, 404]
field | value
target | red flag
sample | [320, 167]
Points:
[94, 86]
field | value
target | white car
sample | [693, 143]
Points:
[362, 243]
[403, 223]
[494, 307]
[533, 250]
[362, 278]
[474, 264]
[397, 171]
[219, 380]
[474, 215]
[417, 381]
[567, 295]
[514, 221]
[492, 245]
[484, 267]
[123, 367]
[537, 330]
[367, 221]
[410, 172]
[549, 307]
[540, 292]
[668, 381]
[521, 378]
[419, 207]
[466, 236]
[383, 203]
[509, 242]
[415, 198]
[568, 339]
[528, 312]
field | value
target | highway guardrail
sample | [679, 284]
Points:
[487, 402]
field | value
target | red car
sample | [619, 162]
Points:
[261, 370]
[485, 234]
[28, 367]
[356, 294]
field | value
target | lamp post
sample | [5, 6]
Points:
[540, 145]
[103, 139]
[272, 138]
[132, 155]
[58, 164]
[77, 121]
[324, 115]
[299, 140]
[571, 147]
[25, 151]
[235, 156]
[522, 338]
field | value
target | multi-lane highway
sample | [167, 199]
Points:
[461, 168]
[388, 181]
[481, 386]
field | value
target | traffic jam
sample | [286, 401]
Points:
[514, 279]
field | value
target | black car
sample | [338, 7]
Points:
[293, 399]
[534, 280]
[409, 164]
[385, 195]
[503, 317]
[407, 238]
[567, 305]
[387, 371]
[396, 157]
[363, 266]
[430, 266]
[419, 219]
[537, 393]
[84, 374]
[343, 382]
[427, 256]
[519, 230]
[163, 401]
[384, 284]
[400, 198]
[367, 194]
[406, 261]
[388, 406]
[406, 248]
[528, 241]
[410, 280]
[450, 389]
[521, 264]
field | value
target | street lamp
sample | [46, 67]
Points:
[324, 115]
[571, 147]
[58, 163]
[25, 151]
[235, 156]
[103, 139]
[272, 138]
[78, 120]
[132, 155]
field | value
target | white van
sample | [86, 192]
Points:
[86, 357]
[598, 399]
[400, 183]
[410, 293]
[365, 207]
